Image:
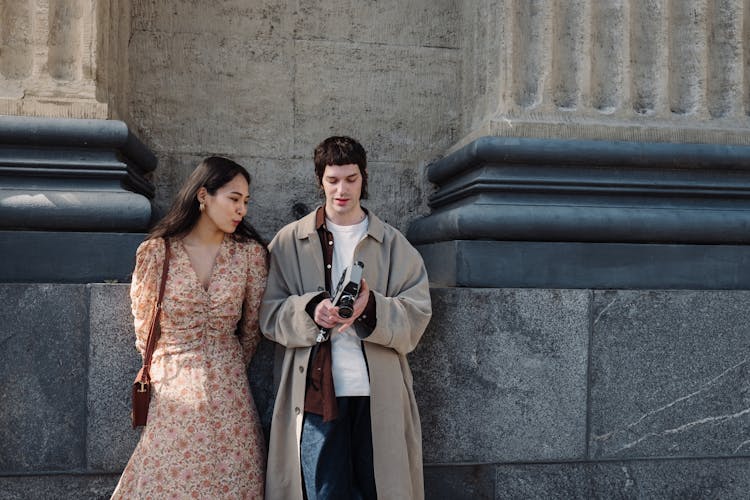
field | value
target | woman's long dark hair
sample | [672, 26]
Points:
[212, 173]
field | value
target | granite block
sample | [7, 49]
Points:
[500, 375]
[725, 479]
[670, 374]
[113, 365]
[450, 482]
[58, 487]
[43, 342]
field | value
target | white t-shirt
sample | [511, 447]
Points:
[349, 368]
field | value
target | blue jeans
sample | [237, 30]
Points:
[336, 456]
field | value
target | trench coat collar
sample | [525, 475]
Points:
[308, 226]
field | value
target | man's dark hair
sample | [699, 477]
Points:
[341, 150]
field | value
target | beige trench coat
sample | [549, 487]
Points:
[395, 273]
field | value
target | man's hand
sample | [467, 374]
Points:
[327, 316]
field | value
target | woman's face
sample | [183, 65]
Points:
[226, 208]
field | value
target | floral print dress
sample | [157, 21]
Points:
[203, 438]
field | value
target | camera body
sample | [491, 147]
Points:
[348, 289]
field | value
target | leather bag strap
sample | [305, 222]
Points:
[154, 330]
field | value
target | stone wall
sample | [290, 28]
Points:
[523, 393]
[264, 82]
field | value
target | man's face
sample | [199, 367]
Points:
[342, 185]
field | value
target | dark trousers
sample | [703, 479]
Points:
[336, 456]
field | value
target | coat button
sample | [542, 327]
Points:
[301, 369]
[328, 266]
[330, 242]
[296, 410]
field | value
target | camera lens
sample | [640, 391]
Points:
[345, 306]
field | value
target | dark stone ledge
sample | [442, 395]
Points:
[512, 189]
[67, 257]
[73, 175]
[534, 264]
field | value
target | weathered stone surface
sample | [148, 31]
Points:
[427, 23]
[260, 19]
[113, 363]
[500, 375]
[242, 105]
[58, 487]
[362, 91]
[725, 479]
[44, 338]
[670, 374]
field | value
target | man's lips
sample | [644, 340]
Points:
[341, 201]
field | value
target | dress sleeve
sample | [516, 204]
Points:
[257, 274]
[149, 259]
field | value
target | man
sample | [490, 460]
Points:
[345, 422]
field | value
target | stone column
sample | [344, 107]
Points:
[637, 70]
[605, 144]
[48, 58]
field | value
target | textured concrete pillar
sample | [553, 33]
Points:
[636, 70]
[48, 58]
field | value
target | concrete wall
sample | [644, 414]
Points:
[524, 393]
[264, 82]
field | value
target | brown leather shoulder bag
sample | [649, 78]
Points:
[142, 384]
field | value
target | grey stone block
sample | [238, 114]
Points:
[113, 364]
[42, 377]
[451, 482]
[553, 264]
[67, 257]
[670, 374]
[500, 375]
[58, 487]
[663, 479]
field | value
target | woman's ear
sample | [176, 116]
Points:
[202, 194]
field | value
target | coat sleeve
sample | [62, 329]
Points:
[283, 315]
[149, 259]
[404, 310]
[257, 273]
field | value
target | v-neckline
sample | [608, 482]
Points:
[213, 266]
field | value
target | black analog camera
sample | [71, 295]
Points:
[348, 289]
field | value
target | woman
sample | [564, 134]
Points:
[203, 438]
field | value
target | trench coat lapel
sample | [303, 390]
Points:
[309, 249]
